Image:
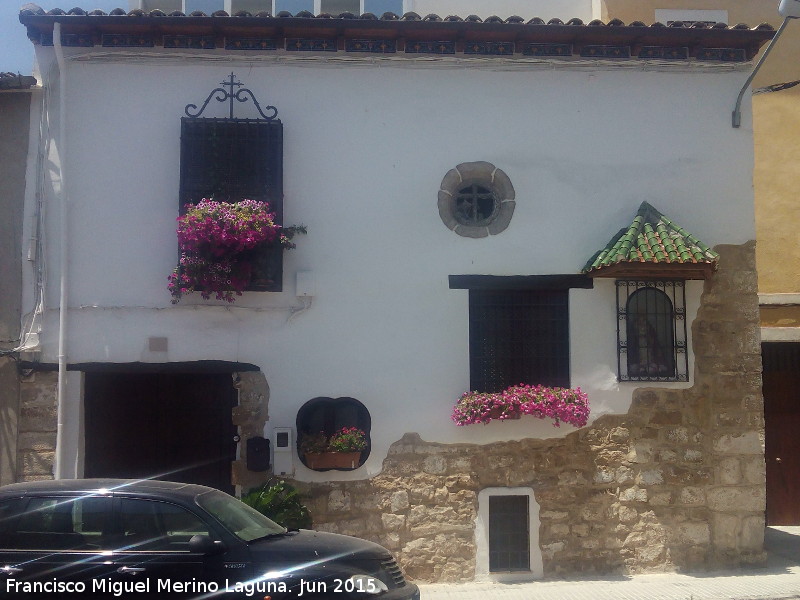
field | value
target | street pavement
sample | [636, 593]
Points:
[779, 579]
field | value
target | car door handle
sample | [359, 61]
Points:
[8, 570]
[131, 570]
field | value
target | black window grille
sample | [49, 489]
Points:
[518, 336]
[651, 331]
[476, 205]
[231, 160]
[509, 534]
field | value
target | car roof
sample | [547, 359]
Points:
[145, 487]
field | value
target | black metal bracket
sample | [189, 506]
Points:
[221, 95]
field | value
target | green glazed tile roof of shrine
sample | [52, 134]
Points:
[653, 240]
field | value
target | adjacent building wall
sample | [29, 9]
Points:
[14, 131]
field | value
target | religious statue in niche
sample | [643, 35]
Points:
[650, 336]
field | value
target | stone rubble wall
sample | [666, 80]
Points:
[38, 421]
[676, 483]
[249, 416]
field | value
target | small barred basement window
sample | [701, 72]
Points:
[509, 538]
[507, 535]
[651, 331]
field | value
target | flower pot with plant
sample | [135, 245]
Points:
[217, 241]
[342, 450]
[559, 404]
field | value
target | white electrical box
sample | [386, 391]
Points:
[283, 449]
[306, 285]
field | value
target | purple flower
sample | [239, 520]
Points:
[212, 236]
[560, 404]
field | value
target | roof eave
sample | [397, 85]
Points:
[750, 40]
[639, 270]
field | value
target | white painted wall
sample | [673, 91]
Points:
[366, 147]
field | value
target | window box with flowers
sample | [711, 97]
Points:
[219, 242]
[342, 450]
[563, 405]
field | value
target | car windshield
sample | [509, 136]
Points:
[246, 523]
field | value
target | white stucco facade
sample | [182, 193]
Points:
[366, 144]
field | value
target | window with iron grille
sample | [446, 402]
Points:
[476, 205]
[518, 336]
[509, 538]
[651, 331]
[232, 160]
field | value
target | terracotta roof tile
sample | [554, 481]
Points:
[552, 39]
[32, 9]
[653, 245]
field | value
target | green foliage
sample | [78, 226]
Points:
[313, 443]
[348, 439]
[280, 502]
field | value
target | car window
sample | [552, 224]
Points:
[9, 510]
[246, 523]
[52, 523]
[151, 525]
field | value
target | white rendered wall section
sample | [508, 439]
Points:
[582, 148]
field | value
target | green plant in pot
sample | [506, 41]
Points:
[342, 450]
[280, 502]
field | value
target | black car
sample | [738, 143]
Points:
[96, 538]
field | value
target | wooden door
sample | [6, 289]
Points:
[171, 426]
[782, 430]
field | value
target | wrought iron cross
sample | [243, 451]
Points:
[222, 95]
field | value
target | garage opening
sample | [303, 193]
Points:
[160, 425]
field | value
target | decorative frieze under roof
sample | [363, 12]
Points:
[653, 246]
[409, 34]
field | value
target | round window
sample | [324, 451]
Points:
[476, 200]
[476, 205]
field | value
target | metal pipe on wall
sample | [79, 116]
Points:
[58, 466]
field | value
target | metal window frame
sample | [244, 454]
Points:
[495, 363]
[675, 292]
[261, 142]
[471, 194]
[502, 552]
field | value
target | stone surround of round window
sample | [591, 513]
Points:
[476, 199]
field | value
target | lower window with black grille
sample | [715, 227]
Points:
[651, 330]
[509, 537]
